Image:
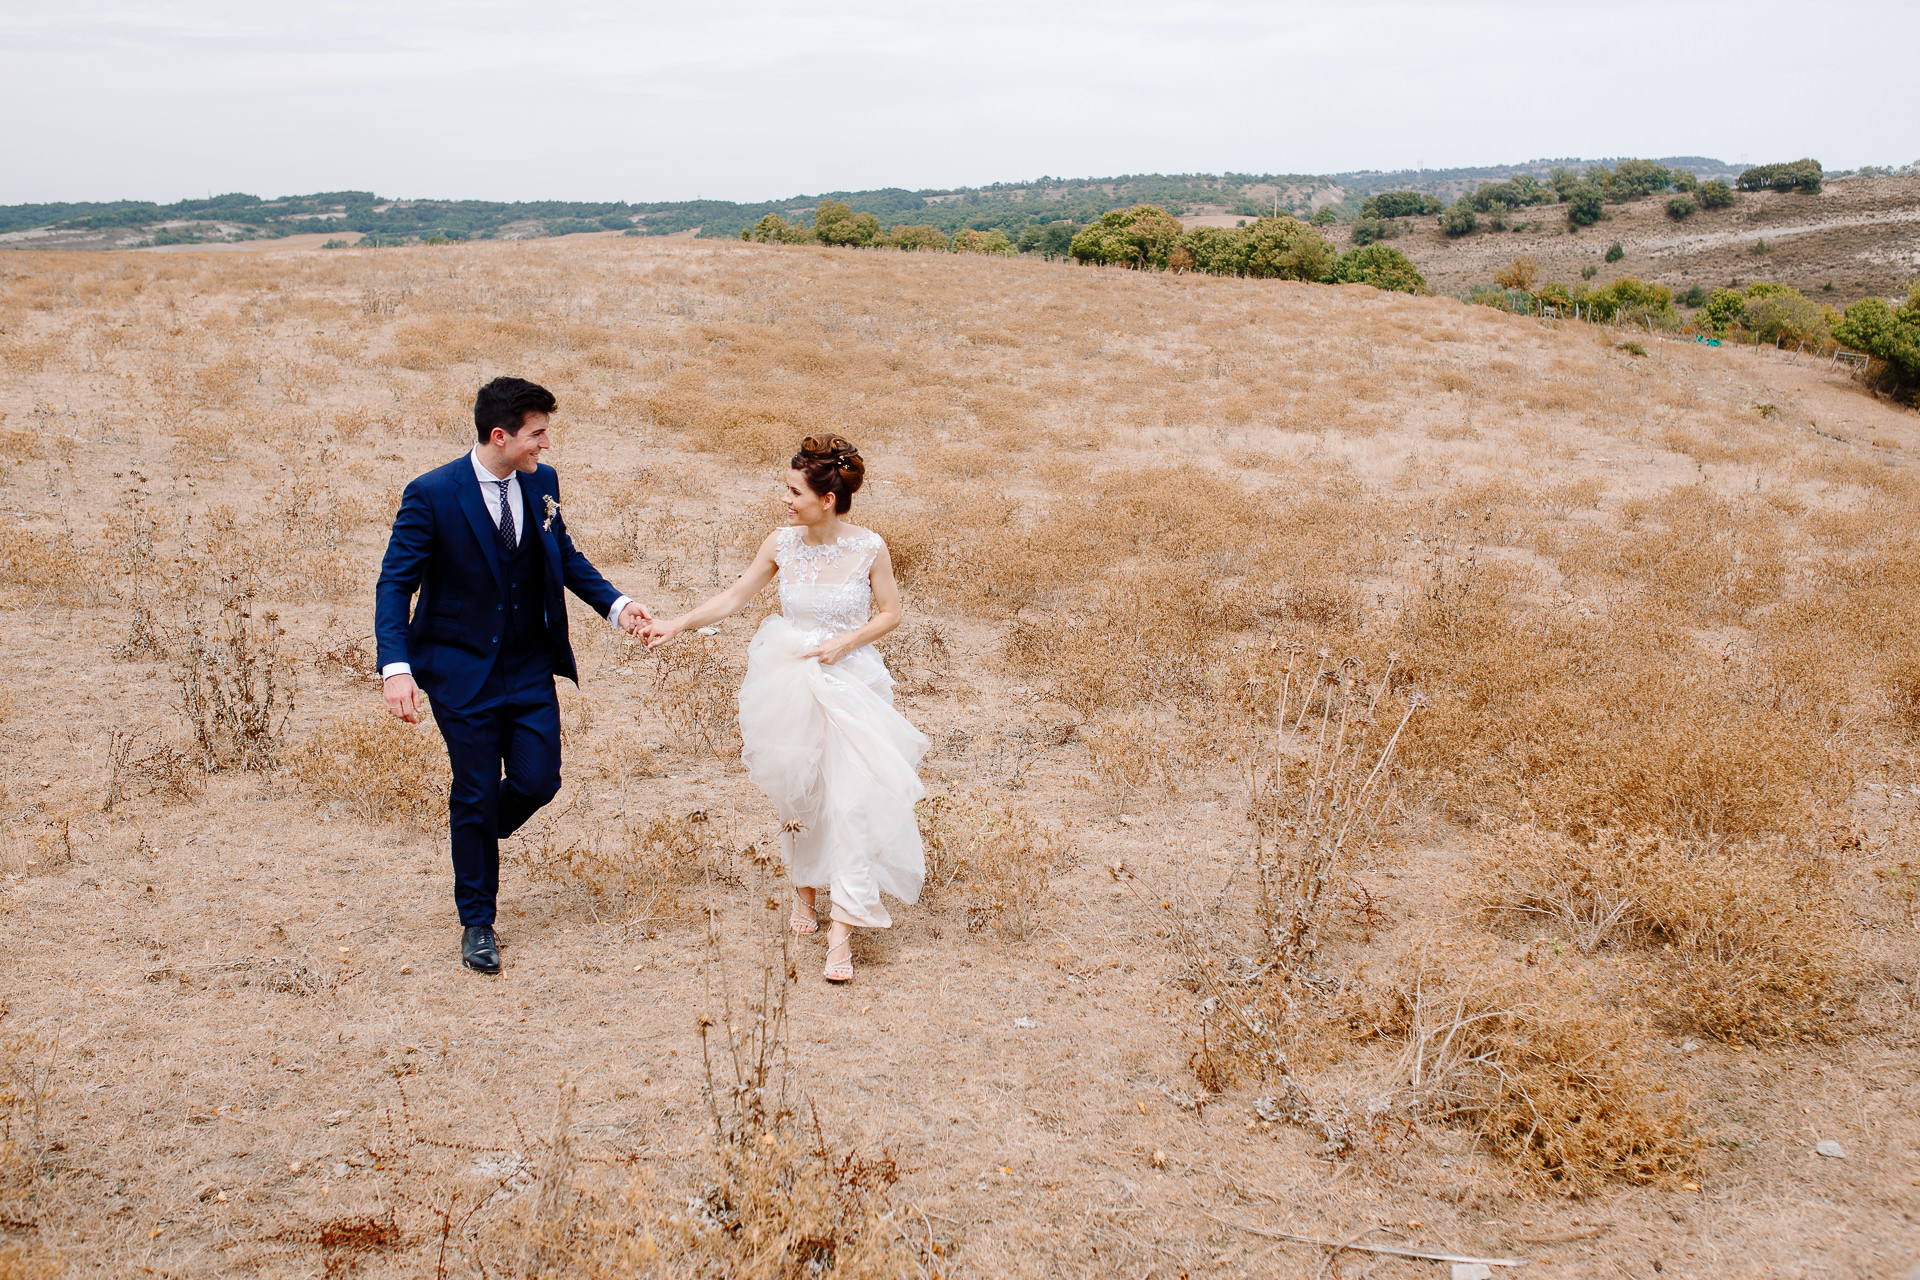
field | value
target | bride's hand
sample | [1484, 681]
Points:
[831, 651]
[659, 633]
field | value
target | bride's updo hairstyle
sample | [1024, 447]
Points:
[832, 465]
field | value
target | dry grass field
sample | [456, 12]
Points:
[1404, 775]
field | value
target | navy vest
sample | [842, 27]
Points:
[525, 606]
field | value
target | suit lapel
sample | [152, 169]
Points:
[467, 491]
[537, 520]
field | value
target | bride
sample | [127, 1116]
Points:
[818, 729]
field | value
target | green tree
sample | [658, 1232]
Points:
[1366, 230]
[1779, 314]
[1715, 194]
[835, 223]
[1586, 203]
[1632, 300]
[1723, 308]
[1890, 336]
[973, 240]
[774, 229]
[1142, 236]
[1685, 180]
[911, 237]
[1381, 266]
[1050, 239]
[1632, 179]
[1286, 248]
[1218, 251]
[1680, 208]
[1795, 175]
[1459, 220]
[1696, 297]
[1324, 217]
[1400, 204]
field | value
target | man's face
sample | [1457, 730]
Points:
[522, 450]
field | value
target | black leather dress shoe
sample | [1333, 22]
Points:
[478, 950]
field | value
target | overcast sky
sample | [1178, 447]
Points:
[586, 100]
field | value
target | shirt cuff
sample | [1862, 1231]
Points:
[393, 669]
[619, 606]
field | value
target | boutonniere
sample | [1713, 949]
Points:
[553, 509]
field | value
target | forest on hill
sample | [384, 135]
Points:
[1012, 208]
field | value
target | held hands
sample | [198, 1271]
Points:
[403, 697]
[634, 619]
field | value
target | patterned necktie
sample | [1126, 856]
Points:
[508, 540]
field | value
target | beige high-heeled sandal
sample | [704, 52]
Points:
[802, 920]
[840, 970]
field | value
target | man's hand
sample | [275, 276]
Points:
[403, 697]
[634, 617]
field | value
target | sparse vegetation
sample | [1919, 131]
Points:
[1660, 619]
[1795, 175]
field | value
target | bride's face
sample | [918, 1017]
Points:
[804, 506]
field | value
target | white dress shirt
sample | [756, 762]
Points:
[490, 492]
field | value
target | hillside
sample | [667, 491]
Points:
[1859, 237]
[1623, 933]
[1008, 206]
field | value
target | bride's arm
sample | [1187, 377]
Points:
[745, 588]
[886, 613]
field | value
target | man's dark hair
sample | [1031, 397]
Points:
[506, 402]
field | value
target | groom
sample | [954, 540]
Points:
[483, 541]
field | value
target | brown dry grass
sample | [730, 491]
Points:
[1665, 645]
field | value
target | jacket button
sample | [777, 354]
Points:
[496, 608]
[496, 640]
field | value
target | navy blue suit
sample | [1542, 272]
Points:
[485, 640]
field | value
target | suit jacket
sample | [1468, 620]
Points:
[446, 546]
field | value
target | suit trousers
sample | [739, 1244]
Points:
[504, 751]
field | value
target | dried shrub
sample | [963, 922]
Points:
[1330, 789]
[26, 1090]
[641, 868]
[1000, 855]
[46, 568]
[698, 686]
[236, 685]
[1750, 939]
[1521, 1050]
[376, 767]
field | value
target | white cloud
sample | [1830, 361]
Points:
[574, 99]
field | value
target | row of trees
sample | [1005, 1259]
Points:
[1147, 237]
[835, 223]
[1585, 195]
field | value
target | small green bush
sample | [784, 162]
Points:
[1460, 219]
[1615, 252]
[1680, 208]
[1696, 297]
[1382, 267]
[1586, 204]
[1400, 204]
[1715, 195]
[1324, 218]
[835, 223]
[1632, 179]
[774, 229]
[1367, 230]
[1685, 180]
[1632, 300]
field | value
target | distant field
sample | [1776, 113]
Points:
[1624, 925]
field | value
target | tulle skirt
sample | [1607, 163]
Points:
[828, 748]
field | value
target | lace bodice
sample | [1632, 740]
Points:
[826, 588]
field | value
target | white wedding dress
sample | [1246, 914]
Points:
[825, 743]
